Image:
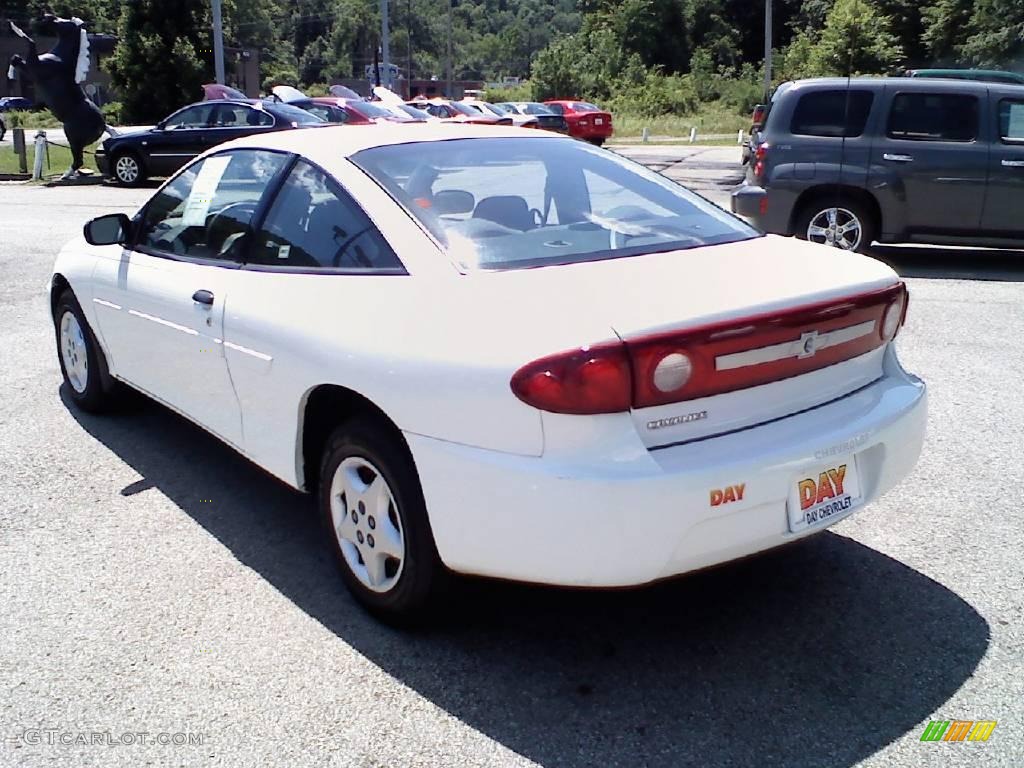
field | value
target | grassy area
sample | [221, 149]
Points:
[711, 120]
[60, 159]
[18, 118]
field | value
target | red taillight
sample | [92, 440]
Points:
[759, 158]
[583, 381]
[712, 359]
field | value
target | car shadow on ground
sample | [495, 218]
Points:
[952, 263]
[817, 654]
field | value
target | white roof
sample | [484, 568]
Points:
[328, 143]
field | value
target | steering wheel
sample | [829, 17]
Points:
[214, 220]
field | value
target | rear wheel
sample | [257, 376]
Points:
[848, 225]
[597, 142]
[376, 521]
[127, 169]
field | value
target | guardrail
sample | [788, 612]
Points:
[740, 136]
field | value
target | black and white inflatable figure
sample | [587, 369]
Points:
[57, 76]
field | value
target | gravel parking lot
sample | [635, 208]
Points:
[153, 582]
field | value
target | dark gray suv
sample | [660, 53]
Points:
[848, 162]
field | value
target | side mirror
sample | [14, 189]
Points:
[451, 201]
[111, 229]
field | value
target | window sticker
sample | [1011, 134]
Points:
[201, 195]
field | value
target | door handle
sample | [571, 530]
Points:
[203, 296]
[1013, 163]
[898, 158]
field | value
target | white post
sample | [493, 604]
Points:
[644, 135]
[739, 136]
[37, 165]
[693, 135]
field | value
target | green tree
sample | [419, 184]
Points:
[995, 34]
[162, 59]
[857, 39]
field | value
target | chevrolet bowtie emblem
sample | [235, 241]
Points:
[809, 344]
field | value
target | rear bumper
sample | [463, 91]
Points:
[631, 522]
[766, 209]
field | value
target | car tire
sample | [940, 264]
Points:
[380, 535]
[82, 362]
[831, 231]
[127, 169]
[597, 142]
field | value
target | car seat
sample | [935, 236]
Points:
[508, 210]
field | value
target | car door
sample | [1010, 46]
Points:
[933, 153]
[160, 304]
[1003, 200]
[176, 140]
[317, 260]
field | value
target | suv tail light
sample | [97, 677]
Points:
[712, 359]
[760, 155]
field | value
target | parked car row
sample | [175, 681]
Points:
[227, 114]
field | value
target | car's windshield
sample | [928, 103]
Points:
[418, 114]
[296, 115]
[509, 203]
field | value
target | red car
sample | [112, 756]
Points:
[586, 121]
[456, 112]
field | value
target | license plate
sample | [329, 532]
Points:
[823, 493]
[598, 121]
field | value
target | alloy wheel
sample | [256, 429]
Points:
[127, 169]
[838, 227]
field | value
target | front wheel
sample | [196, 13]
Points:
[127, 169]
[376, 521]
[81, 359]
[848, 225]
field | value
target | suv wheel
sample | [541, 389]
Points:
[849, 226]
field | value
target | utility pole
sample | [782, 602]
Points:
[385, 43]
[767, 50]
[218, 44]
[408, 32]
[448, 86]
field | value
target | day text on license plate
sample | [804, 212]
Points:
[823, 493]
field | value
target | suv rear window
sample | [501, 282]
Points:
[934, 117]
[825, 113]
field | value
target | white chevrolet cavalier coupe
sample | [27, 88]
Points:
[497, 351]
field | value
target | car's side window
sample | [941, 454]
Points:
[1011, 121]
[193, 117]
[836, 113]
[558, 109]
[314, 224]
[934, 117]
[206, 211]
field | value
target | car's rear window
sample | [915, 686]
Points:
[842, 112]
[582, 106]
[511, 203]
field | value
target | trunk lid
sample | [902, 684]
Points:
[770, 281]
